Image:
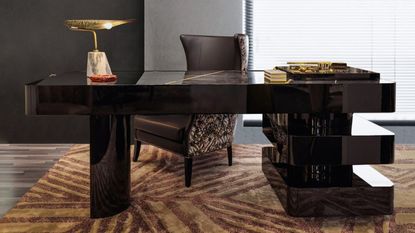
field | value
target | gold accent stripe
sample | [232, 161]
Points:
[82, 156]
[68, 169]
[63, 189]
[63, 213]
[77, 161]
[68, 182]
[144, 217]
[405, 218]
[168, 218]
[128, 223]
[95, 226]
[76, 166]
[176, 186]
[137, 176]
[256, 211]
[386, 224]
[247, 227]
[155, 173]
[174, 181]
[23, 203]
[195, 77]
[204, 223]
[41, 190]
[254, 180]
[333, 225]
[32, 195]
[111, 225]
[219, 183]
[35, 227]
[252, 218]
[366, 225]
[68, 174]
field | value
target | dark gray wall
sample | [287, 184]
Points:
[35, 43]
[165, 20]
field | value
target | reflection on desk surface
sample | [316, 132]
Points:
[183, 78]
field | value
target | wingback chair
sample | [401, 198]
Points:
[196, 134]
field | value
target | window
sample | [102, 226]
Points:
[377, 35]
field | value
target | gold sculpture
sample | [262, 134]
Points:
[91, 25]
[98, 67]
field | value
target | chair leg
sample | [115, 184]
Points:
[188, 162]
[137, 147]
[229, 155]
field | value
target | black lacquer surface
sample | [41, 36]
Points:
[339, 140]
[310, 123]
[357, 198]
[110, 164]
[214, 91]
[314, 160]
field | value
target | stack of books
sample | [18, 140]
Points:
[316, 67]
[338, 66]
[275, 76]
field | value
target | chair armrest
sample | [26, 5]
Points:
[209, 132]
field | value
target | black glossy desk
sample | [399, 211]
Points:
[309, 122]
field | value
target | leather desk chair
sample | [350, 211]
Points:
[196, 134]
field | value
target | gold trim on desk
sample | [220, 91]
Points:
[194, 77]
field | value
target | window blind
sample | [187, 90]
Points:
[377, 35]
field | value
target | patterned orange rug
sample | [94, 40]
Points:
[221, 198]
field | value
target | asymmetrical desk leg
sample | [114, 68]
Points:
[313, 168]
[110, 164]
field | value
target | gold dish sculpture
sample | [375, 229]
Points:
[92, 25]
[98, 68]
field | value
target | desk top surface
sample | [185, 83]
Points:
[156, 78]
[178, 92]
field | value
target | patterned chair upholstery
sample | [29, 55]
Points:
[197, 134]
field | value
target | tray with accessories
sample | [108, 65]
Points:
[336, 72]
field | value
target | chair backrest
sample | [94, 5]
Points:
[215, 52]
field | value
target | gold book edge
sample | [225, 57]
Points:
[267, 80]
[276, 75]
[276, 78]
[275, 72]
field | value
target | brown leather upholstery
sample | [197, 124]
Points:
[192, 135]
[211, 52]
[164, 143]
[202, 53]
[171, 127]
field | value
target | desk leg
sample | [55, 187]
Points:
[110, 165]
[311, 166]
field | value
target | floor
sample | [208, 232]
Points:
[19, 172]
[221, 199]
